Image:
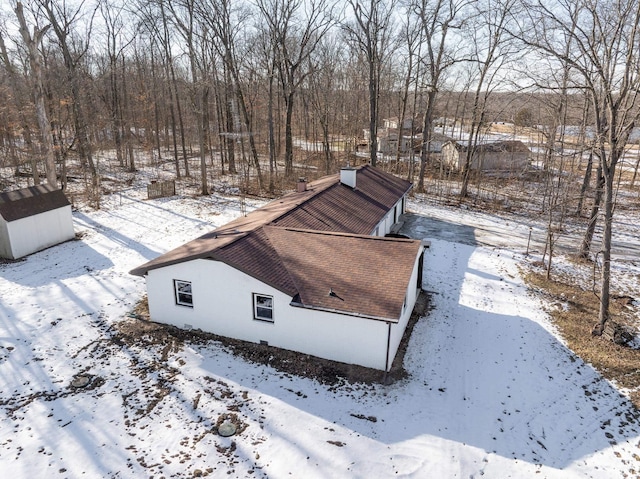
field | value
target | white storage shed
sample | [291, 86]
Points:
[32, 219]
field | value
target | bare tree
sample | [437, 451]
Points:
[225, 21]
[184, 16]
[295, 28]
[32, 41]
[605, 37]
[438, 18]
[63, 22]
[15, 83]
[114, 96]
[411, 35]
[165, 41]
[490, 52]
[372, 32]
[327, 66]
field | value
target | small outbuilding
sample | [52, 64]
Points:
[507, 156]
[32, 219]
[310, 272]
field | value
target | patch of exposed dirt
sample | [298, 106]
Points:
[11, 261]
[138, 329]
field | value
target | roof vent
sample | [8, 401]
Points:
[348, 176]
[302, 185]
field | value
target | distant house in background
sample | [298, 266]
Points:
[388, 142]
[438, 140]
[32, 219]
[512, 156]
[389, 137]
[311, 272]
[394, 123]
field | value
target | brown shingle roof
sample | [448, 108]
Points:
[271, 242]
[345, 210]
[354, 274]
[256, 256]
[206, 245]
[33, 200]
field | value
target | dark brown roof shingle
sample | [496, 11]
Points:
[346, 210]
[30, 201]
[359, 275]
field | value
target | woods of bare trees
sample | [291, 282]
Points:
[265, 89]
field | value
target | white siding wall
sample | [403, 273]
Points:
[397, 329]
[486, 160]
[384, 227]
[223, 304]
[34, 233]
[5, 244]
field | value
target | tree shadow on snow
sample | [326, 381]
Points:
[478, 377]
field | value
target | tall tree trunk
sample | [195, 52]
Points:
[46, 140]
[245, 115]
[605, 276]
[156, 109]
[585, 246]
[427, 128]
[14, 82]
[585, 182]
[288, 135]
[373, 114]
[272, 139]
[81, 125]
[174, 91]
[220, 120]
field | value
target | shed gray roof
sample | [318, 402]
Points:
[30, 201]
[511, 146]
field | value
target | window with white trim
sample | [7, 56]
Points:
[182, 289]
[263, 307]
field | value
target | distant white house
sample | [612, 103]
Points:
[512, 155]
[310, 272]
[32, 219]
[390, 139]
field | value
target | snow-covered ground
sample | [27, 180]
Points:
[492, 391]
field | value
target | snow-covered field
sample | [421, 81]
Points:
[492, 392]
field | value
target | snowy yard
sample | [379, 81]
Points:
[492, 391]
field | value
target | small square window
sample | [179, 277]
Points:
[184, 296]
[263, 307]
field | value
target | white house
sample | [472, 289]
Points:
[311, 272]
[32, 219]
[511, 155]
[390, 141]
[394, 123]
